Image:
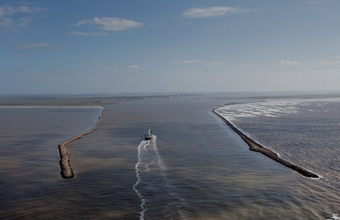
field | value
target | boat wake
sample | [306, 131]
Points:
[158, 199]
[334, 217]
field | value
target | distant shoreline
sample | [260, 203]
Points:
[65, 165]
[254, 146]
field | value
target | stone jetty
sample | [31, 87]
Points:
[254, 146]
[65, 165]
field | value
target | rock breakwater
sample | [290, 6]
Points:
[254, 146]
[65, 165]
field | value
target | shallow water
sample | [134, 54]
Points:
[195, 168]
[304, 132]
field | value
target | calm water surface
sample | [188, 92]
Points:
[194, 168]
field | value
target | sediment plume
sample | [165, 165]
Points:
[254, 146]
[65, 165]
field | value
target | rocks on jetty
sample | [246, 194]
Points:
[65, 165]
[254, 146]
[66, 169]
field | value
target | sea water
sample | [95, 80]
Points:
[158, 198]
[196, 167]
[304, 132]
[29, 157]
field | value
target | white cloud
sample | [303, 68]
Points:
[112, 69]
[329, 62]
[18, 56]
[134, 66]
[7, 11]
[89, 34]
[212, 63]
[286, 63]
[24, 21]
[197, 61]
[290, 68]
[315, 2]
[33, 46]
[313, 64]
[187, 62]
[213, 11]
[112, 24]
[5, 22]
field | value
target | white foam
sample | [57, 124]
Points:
[159, 158]
[334, 217]
[149, 164]
[143, 144]
[147, 143]
[168, 184]
[269, 108]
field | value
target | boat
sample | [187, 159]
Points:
[148, 135]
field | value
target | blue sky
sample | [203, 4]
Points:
[152, 46]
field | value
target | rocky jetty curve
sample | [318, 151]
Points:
[65, 165]
[254, 146]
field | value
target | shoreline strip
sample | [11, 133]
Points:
[65, 165]
[254, 146]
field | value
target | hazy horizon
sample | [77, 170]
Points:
[129, 46]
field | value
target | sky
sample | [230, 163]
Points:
[153, 46]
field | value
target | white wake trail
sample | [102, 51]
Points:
[143, 144]
[152, 184]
